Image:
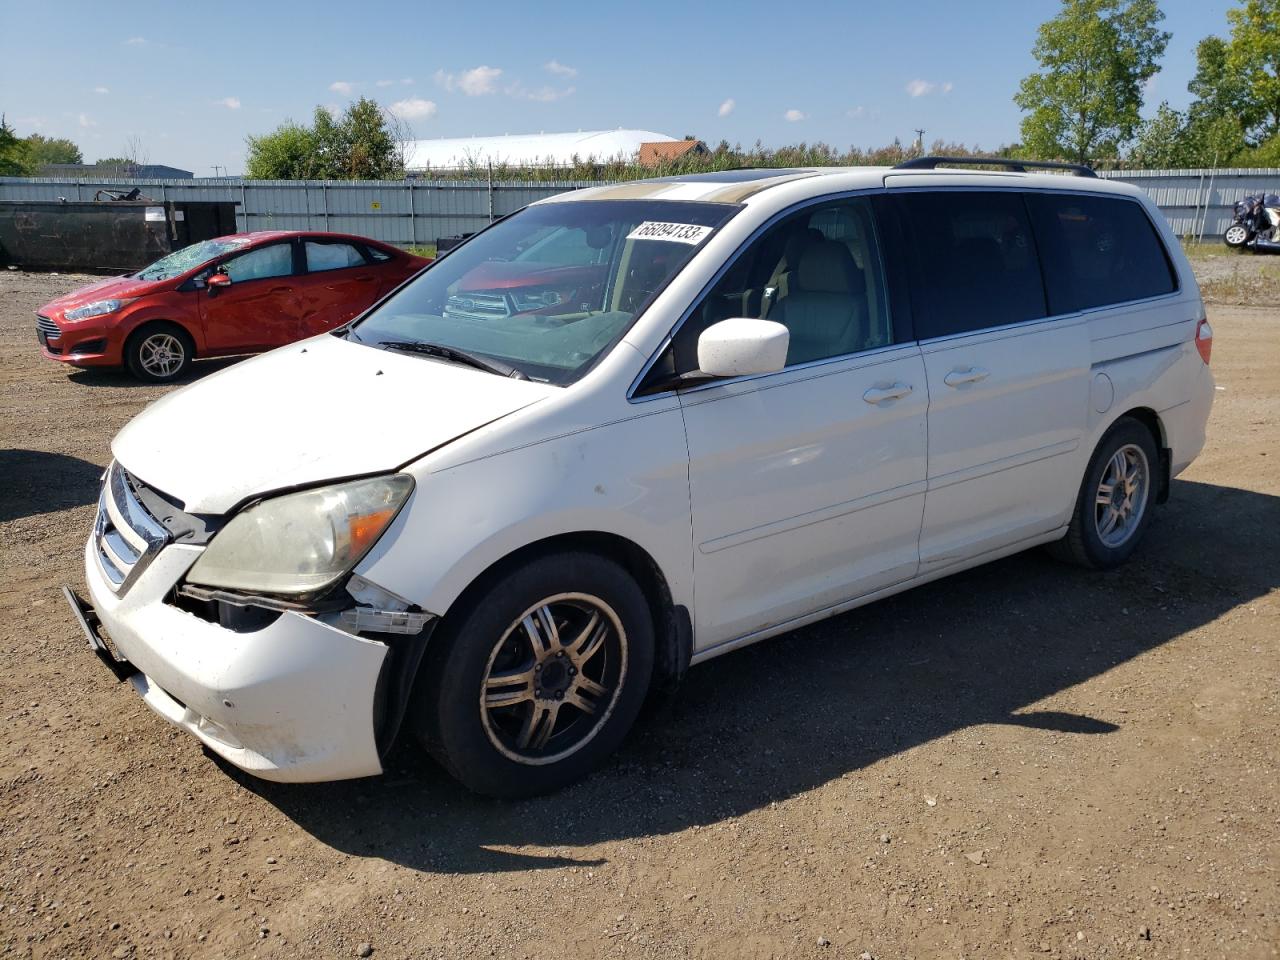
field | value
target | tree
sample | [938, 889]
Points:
[1096, 56]
[13, 152]
[43, 150]
[288, 153]
[359, 145]
[1240, 76]
[1173, 140]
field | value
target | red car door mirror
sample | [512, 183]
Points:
[218, 280]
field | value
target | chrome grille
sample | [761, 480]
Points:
[47, 327]
[477, 306]
[126, 536]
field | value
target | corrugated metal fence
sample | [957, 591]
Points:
[403, 212]
[406, 212]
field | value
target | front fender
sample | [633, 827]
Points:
[627, 478]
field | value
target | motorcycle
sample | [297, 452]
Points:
[1255, 224]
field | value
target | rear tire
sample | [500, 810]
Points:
[1115, 501]
[159, 352]
[538, 678]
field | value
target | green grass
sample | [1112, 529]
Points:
[423, 250]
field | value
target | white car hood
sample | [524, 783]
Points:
[318, 410]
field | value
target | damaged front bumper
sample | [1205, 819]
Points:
[295, 700]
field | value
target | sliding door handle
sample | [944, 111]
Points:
[883, 394]
[958, 378]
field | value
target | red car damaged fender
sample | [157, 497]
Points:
[242, 293]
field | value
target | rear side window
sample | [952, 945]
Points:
[974, 261]
[1098, 251]
[332, 256]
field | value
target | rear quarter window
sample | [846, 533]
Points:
[1098, 251]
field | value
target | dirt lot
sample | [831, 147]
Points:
[1026, 759]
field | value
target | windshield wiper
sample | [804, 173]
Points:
[456, 355]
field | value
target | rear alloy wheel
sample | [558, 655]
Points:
[538, 676]
[159, 353]
[1114, 503]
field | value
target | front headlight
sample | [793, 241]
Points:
[302, 542]
[99, 308]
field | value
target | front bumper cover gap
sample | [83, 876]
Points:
[85, 615]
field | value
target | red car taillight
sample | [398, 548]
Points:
[1204, 339]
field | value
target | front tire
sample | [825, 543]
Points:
[1114, 505]
[1236, 235]
[538, 678]
[159, 352]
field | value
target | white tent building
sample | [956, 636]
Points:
[528, 150]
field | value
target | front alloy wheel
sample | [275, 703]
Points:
[159, 353]
[553, 678]
[538, 674]
[1236, 236]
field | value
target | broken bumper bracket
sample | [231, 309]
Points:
[121, 669]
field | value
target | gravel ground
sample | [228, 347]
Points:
[1025, 759]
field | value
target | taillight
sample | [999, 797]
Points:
[1204, 339]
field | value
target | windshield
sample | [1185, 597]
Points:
[180, 261]
[551, 288]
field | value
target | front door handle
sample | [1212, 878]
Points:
[958, 378]
[883, 394]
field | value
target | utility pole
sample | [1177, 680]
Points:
[919, 141]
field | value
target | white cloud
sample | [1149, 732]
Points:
[101, 90]
[475, 82]
[343, 87]
[856, 113]
[37, 122]
[135, 42]
[384, 83]
[231, 103]
[413, 108]
[406, 81]
[559, 69]
[87, 121]
[726, 108]
[922, 88]
[794, 116]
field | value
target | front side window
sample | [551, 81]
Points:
[275, 260]
[973, 259]
[550, 289]
[1098, 251]
[817, 272]
[332, 256]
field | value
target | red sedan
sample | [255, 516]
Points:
[237, 294]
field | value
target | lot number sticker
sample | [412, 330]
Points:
[689, 233]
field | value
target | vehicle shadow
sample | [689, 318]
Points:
[111, 377]
[36, 482]
[782, 717]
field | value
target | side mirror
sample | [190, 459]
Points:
[742, 346]
[218, 281]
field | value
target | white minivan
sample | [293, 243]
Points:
[626, 430]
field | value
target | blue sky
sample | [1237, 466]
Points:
[191, 80]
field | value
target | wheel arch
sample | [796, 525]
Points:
[673, 625]
[1155, 426]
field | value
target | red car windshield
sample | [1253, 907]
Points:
[188, 258]
[550, 289]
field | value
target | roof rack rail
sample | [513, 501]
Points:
[1017, 166]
